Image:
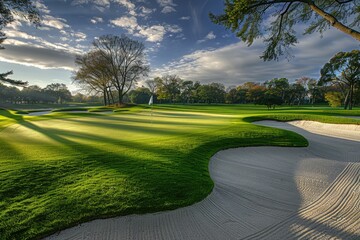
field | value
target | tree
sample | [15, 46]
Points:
[212, 93]
[9, 9]
[140, 95]
[343, 69]
[4, 78]
[126, 61]
[250, 20]
[232, 96]
[279, 86]
[59, 91]
[94, 74]
[333, 98]
[168, 87]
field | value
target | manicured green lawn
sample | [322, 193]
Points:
[61, 169]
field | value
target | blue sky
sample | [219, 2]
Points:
[179, 38]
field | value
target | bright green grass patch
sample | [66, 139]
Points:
[61, 169]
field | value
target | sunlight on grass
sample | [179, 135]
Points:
[61, 169]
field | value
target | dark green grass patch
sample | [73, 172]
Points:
[62, 169]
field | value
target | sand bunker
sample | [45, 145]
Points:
[261, 193]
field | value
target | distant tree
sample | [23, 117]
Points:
[333, 98]
[33, 94]
[296, 94]
[311, 88]
[94, 75]
[186, 91]
[279, 86]
[275, 20]
[212, 93]
[269, 98]
[344, 69]
[126, 59]
[255, 94]
[151, 84]
[59, 91]
[140, 95]
[232, 96]
[8, 10]
[79, 98]
[168, 87]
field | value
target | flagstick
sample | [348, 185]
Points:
[151, 102]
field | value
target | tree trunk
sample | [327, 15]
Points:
[112, 96]
[351, 96]
[346, 101]
[105, 103]
[334, 22]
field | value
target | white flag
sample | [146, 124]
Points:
[151, 100]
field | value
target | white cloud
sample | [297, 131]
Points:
[236, 63]
[173, 28]
[168, 6]
[126, 3]
[96, 20]
[209, 36]
[145, 12]
[153, 34]
[129, 23]
[100, 5]
[41, 7]
[185, 18]
[14, 25]
[80, 36]
[53, 22]
[164, 3]
[168, 9]
[19, 34]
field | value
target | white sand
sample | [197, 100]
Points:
[261, 193]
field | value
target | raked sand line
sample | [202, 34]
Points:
[260, 193]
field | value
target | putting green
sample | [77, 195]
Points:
[63, 169]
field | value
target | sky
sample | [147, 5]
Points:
[179, 38]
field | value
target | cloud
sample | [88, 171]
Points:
[173, 28]
[145, 12]
[96, 20]
[168, 9]
[41, 7]
[57, 23]
[43, 58]
[185, 18]
[236, 63]
[126, 3]
[129, 23]
[209, 36]
[19, 34]
[100, 5]
[153, 34]
[168, 6]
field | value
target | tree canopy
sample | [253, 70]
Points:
[343, 69]
[114, 64]
[11, 8]
[274, 20]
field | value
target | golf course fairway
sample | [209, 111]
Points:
[62, 169]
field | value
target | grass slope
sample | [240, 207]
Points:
[61, 169]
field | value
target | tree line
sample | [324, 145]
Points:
[339, 82]
[277, 91]
[55, 93]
